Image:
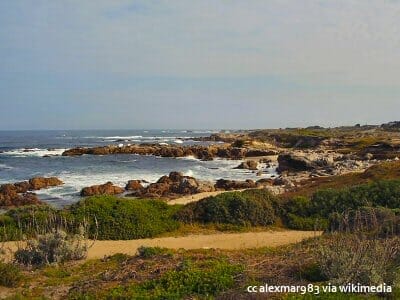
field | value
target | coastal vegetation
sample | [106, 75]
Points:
[358, 213]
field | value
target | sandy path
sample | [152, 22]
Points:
[219, 241]
[229, 241]
[197, 197]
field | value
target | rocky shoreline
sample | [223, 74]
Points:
[20, 193]
[197, 151]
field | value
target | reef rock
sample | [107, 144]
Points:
[102, 189]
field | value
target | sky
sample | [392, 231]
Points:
[199, 64]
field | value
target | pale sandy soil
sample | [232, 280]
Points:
[228, 241]
[196, 197]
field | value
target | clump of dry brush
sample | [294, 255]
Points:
[362, 247]
[49, 239]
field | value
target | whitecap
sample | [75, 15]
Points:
[26, 152]
[5, 167]
[188, 173]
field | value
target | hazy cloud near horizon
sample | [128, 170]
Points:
[198, 64]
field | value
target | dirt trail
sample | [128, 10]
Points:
[197, 197]
[220, 240]
[229, 241]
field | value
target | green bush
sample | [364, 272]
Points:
[249, 208]
[149, 252]
[112, 218]
[299, 212]
[10, 275]
[187, 281]
[306, 223]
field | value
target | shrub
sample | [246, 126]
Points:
[187, 281]
[112, 218]
[354, 258]
[322, 204]
[376, 221]
[148, 252]
[32, 220]
[55, 247]
[238, 208]
[10, 275]
[306, 223]
[312, 272]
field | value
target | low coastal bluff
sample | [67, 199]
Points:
[197, 151]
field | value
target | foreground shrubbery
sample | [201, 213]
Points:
[187, 281]
[50, 248]
[356, 258]
[113, 218]
[249, 208]
[106, 217]
[302, 212]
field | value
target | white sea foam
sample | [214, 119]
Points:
[177, 141]
[189, 173]
[5, 167]
[33, 152]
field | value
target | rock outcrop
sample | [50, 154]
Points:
[173, 185]
[248, 165]
[38, 183]
[133, 185]
[225, 184]
[200, 152]
[102, 189]
[17, 194]
[291, 162]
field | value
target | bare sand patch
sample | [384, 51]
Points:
[228, 241]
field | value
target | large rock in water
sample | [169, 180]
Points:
[102, 189]
[9, 197]
[291, 162]
[173, 185]
[38, 183]
[248, 165]
[17, 194]
[133, 185]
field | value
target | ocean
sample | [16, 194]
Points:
[26, 154]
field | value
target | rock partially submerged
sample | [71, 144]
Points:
[134, 185]
[17, 194]
[174, 185]
[102, 189]
[38, 183]
[200, 152]
[248, 165]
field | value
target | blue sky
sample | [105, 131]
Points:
[198, 64]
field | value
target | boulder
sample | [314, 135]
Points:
[291, 162]
[133, 185]
[9, 197]
[38, 183]
[227, 185]
[173, 185]
[205, 186]
[102, 189]
[248, 165]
